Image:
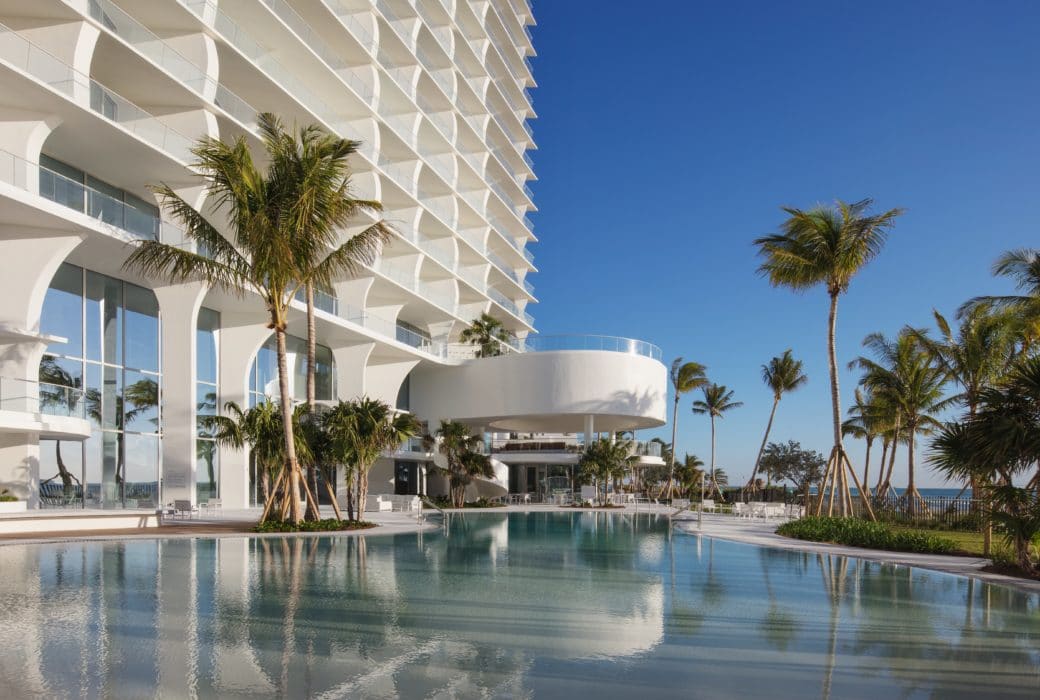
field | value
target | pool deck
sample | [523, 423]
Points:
[239, 523]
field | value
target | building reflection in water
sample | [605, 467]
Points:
[543, 603]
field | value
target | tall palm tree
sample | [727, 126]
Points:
[287, 223]
[364, 429]
[783, 374]
[685, 377]
[488, 334]
[905, 376]
[716, 402]
[827, 245]
[465, 456]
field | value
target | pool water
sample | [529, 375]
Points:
[548, 604]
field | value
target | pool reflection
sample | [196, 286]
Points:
[545, 604]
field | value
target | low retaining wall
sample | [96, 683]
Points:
[45, 521]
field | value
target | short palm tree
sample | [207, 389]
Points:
[604, 461]
[689, 474]
[286, 220]
[863, 424]
[363, 429]
[464, 453]
[827, 245]
[685, 377]
[782, 375]
[905, 376]
[716, 402]
[488, 334]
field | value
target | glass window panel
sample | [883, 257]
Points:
[104, 202]
[55, 374]
[140, 218]
[142, 328]
[267, 371]
[207, 470]
[324, 374]
[92, 470]
[142, 470]
[94, 394]
[95, 297]
[111, 316]
[141, 402]
[63, 311]
[61, 371]
[61, 183]
[111, 469]
[205, 407]
[112, 399]
[61, 473]
[206, 345]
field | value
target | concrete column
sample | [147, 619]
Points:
[589, 427]
[179, 311]
[239, 339]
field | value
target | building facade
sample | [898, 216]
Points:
[106, 377]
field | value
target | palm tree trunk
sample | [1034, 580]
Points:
[891, 461]
[312, 340]
[866, 466]
[362, 488]
[765, 439]
[713, 452]
[881, 468]
[675, 425]
[292, 464]
[832, 360]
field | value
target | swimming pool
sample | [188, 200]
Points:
[541, 604]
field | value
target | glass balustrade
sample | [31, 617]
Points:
[26, 56]
[26, 396]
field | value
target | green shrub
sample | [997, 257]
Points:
[862, 533]
[7, 497]
[484, 503]
[327, 525]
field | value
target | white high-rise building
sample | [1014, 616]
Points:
[104, 374]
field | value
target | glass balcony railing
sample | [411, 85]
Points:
[26, 396]
[42, 65]
[116, 20]
[552, 343]
[323, 301]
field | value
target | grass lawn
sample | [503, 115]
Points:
[969, 543]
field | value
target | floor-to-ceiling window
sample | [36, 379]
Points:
[263, 378]
[108, 346]
[207, 404]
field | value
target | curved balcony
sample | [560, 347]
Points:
[609, 343]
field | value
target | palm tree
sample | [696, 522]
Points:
[864, 423]
[604, 461]
[464, 453]
[905, 376]
[976, 357]
[259, 427]
[998, 443]
[783, 374]
[690, 474]
[488, 334]
[286, 221]
[716, 402]
[1022, 266]
[364, 429]
[685, 376]
[827, 245]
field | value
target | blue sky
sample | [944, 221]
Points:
[670, 133]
